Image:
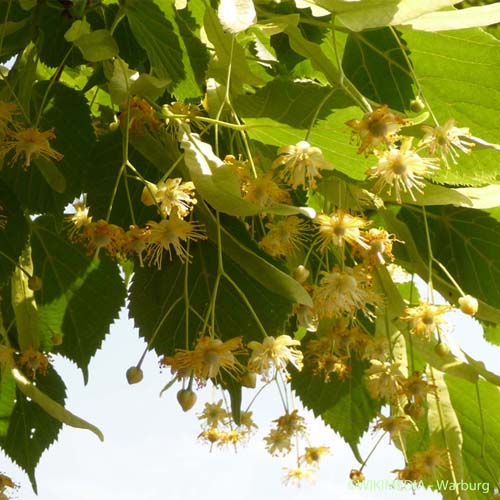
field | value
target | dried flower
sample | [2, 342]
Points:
[263, 191]
[142, 116]
[7, 112]
[284, 236]
[297, 475]
[313, 454]
[394, 425]
[384, 379]
[102, 234]
[380, 126]
[429, 462]
[34, 361]
[30, 143]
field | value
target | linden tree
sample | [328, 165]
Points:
[292, 193]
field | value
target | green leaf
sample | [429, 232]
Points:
[445, 432]
[105, 168]
[53, 408]
[14, 231]
[459, 74]
[229, 54]
[480, 452]
[124, 83]
[24, 304]
[373, 62]
[366, 14]
[55, 179]
[51, 26]
[466, 242]
[154, 293]
[268, 275]
[194, 53]
[7, 401]
[314, 53]
[97, 46]
[344, 405]
[483, 197]
[472, 17]
[492, 333]
[480, 368]
[80, 297]
[15, 29]
[31, 430]
[156, 35]
[120, 81]
[78, 28]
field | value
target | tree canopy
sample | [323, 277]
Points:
[263, 184]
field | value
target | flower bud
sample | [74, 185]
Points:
[134, 375]
[414, 410]
[57, 339]
[35, 283]
[468, 305]
[148, 194]
[187, 399]
[417, 105]
[442, 349]
[301, 274]
[249, 379]
[356, 476]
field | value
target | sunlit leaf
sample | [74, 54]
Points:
[459, 74]
[471, 17]
[477, 408]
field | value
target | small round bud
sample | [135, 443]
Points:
[356, 476]
[149, 193]
[113, 126]
[134, 375]
[417, 105]
[442, 350]
[415, 411]
[468, 305]
[187, 399]
[301, 274]
[35, 283]
[249, 379]
[57, 339]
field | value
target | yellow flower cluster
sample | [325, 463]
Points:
[149, 243]
[218, 427]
